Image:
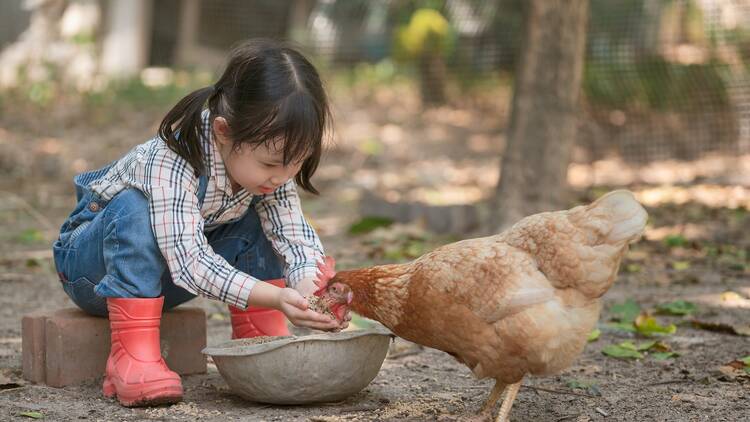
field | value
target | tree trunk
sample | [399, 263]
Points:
[432, 72]
[126, 43]
[545, 103]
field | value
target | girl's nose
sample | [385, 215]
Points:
[276, 180]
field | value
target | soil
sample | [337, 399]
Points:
[415, 383]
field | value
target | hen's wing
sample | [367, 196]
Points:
[490, 278]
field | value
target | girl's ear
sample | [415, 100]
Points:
[221, 131]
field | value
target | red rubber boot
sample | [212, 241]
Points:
[136, 373]
[257, 322]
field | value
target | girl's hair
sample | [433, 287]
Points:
[268, 93]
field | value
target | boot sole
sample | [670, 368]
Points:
[154, 395]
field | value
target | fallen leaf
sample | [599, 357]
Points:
[648, 326]
[624, 350]
[594, 335]
[626, 311]
[675, 240]
[34, 415]
[633, 268]
[677, 307]
[681, 265]
[622, 326]
[664, 355]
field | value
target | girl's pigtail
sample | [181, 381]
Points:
[182, 127]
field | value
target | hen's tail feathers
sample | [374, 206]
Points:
[626, 217]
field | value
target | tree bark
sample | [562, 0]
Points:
[432, 73]
[542, 129]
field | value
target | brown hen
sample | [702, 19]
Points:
[517, 303]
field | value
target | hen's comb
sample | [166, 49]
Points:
[326, 272]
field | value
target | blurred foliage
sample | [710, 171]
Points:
[655, 84]
[134, 92]
[368, 224]
[624, 69]
[371, 75]
[131, 93]
[427, 33]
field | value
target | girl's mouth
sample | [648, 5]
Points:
[265, 190]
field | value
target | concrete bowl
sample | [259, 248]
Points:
[298, 370]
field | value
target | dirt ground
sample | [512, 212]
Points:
[449, 156]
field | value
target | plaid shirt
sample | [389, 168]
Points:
[178, 221]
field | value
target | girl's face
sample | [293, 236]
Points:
[257, 169]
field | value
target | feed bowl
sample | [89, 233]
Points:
[297, 370]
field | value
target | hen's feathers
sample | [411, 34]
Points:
[520, 302]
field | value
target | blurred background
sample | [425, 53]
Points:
[453, 119]
[651, 95]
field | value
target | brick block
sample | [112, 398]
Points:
[68, 346]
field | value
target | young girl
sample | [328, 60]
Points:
[208, 207]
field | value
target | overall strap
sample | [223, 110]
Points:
[83, 180]
[202, 187]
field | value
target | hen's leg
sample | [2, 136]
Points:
[512, 389]
[497, 390]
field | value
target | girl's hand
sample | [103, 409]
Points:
[307, 287]
[345, 322]
[294, 306]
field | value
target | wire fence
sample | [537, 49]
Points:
[663, 79]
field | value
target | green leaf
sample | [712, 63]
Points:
[29, 236]
[645, 346]
[628, 345]
[594, 335]
[622, 326]
[746, 360]
[648, 326]
[627, 311]
[675, 240]
[678, 307]
[633, 268]
[368, 224]
[35, 415]
[681, 265]
[624, 350]
[664, 355]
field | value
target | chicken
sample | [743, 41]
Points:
[518, 303]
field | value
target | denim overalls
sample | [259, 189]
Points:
[108, 249]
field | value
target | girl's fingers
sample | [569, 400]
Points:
[312, 316]
[302, 303]
[320, 326]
